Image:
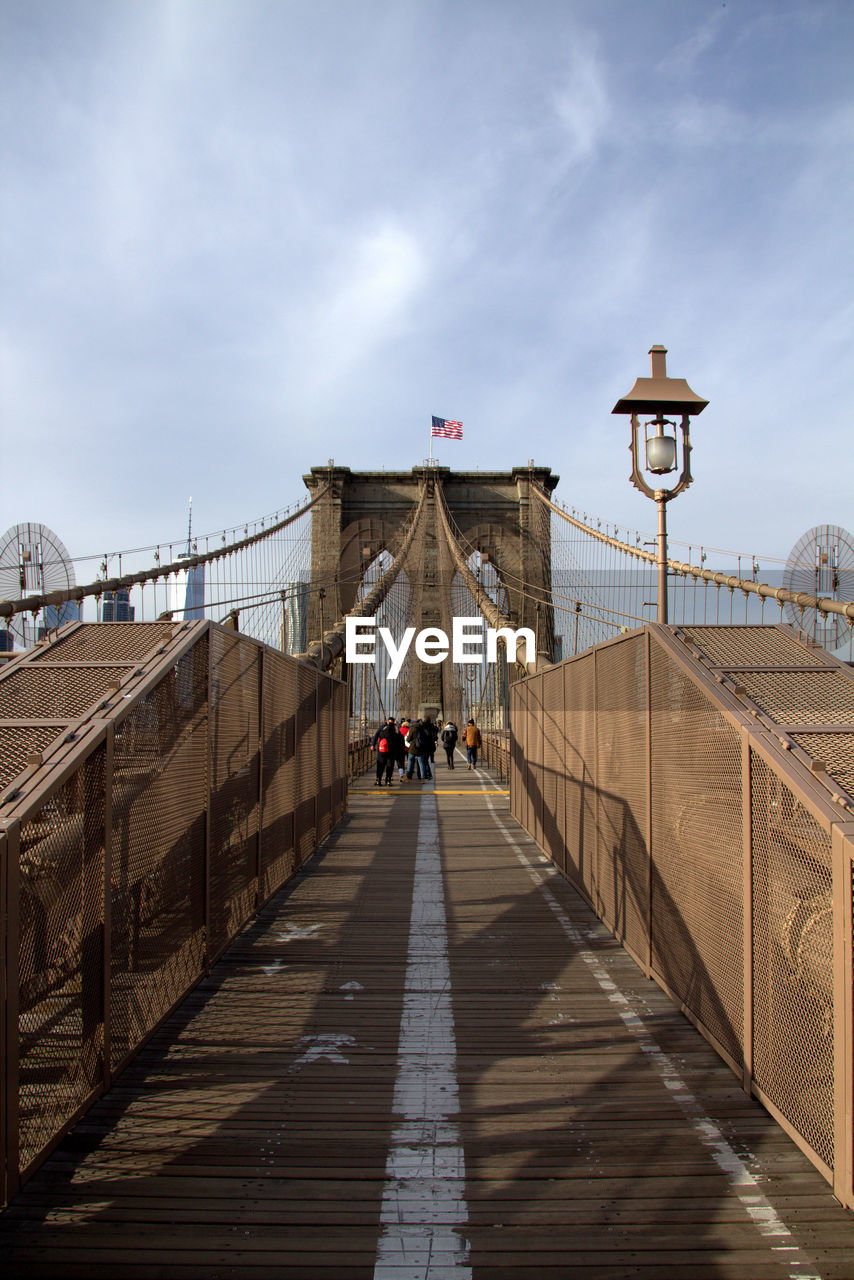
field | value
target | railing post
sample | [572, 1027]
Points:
[4, 1030]
[648, 832]
[259, 844]
[318, 768]
[747, 907]
[92, 774]
[209, 766]
[594, 869]
[843, 1012]
[11, 1044]
[107, 921]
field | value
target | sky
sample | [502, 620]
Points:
[242, 237]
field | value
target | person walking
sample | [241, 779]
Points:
[449, 741]
[383, 743]
[434, 732]
[425, 745]
[404, 734]
[412, 752]
[473, 743]
[399, 749]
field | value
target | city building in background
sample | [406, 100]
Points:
[55, 616]
[294, 627]
[186, 591]
[116, 606]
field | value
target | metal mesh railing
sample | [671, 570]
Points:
[580, 829]
[697, 836]
[278, 773]
[60, 1043]
[360, 756]
[235, 765]
[623, 786]
[495, 751]
[658, 772]
[159, 803]
[307, 762]
[793, 958]
[137, 842]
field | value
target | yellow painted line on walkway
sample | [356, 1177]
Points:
[381, 793]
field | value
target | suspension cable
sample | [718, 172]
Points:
[801, 599]
[497, 620]
[32, 604]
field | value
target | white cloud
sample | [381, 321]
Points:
[582, 105]
[683, 59]
[385, 272]
[693, 122]
[365, 299]
[300, 226]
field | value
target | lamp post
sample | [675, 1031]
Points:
[659, 395]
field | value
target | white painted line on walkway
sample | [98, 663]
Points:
[746, 1186]
[488, 783]
[424, 1208]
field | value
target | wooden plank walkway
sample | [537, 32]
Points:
[426, 1059]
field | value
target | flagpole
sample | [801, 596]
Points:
[431, 442]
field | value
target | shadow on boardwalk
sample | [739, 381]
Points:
[250, 1138]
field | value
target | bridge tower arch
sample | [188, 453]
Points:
[362, 512]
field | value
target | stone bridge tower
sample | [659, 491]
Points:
[363, 512]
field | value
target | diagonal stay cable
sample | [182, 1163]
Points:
[497, 620]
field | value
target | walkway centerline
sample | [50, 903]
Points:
[425, 1188]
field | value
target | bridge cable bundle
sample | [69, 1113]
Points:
[228, 586]
[607, 574]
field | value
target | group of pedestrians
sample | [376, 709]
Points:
[412, 745]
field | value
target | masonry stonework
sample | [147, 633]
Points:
[363, 513]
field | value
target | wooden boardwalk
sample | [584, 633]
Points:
[426, 1059]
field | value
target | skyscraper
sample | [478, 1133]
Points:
[294, 625]
[116, 606]
[57, 615]
[186, 591]
[54, 616]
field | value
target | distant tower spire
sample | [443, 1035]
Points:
[190, 530]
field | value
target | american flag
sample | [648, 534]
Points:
[450, 430]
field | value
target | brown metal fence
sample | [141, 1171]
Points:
[160, 781]
[495, 751]
[697, 786]
[361, 756]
